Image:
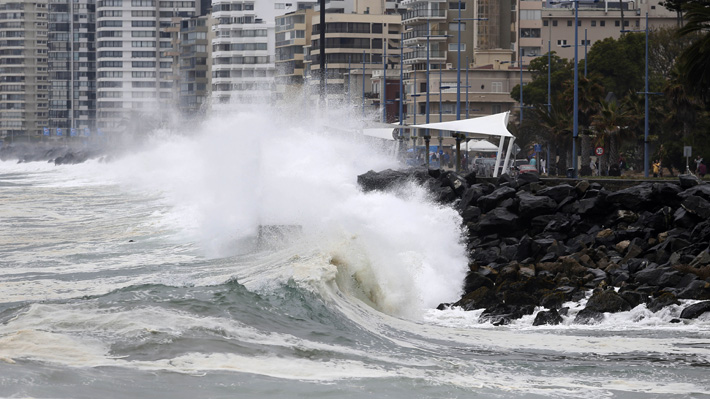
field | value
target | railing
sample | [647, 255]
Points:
[424, 14]
[423, 54]
[422, 34]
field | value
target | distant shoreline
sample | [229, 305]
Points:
[53, 152]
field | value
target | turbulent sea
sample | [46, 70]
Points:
[242, 261]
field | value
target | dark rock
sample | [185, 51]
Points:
[502, 314]
[702, 190]
[695, 310]
[530, 205]
[632, 198]
[604, 301]
[697, 289]
[663, 300]
[553, 300]
[471, 214]
[557, 193]
[547, 317]
[527, 178]
[474, 281]
[650, 275]
[697, 206]
[588, 316]
[498, 220]
[688, 181]
[481, 298]
[455, 181]
[384, 180]
[490, 201]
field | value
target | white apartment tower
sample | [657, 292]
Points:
[243, 57]
[134, 61]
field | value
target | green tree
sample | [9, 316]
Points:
[694, 62]
[618, 65]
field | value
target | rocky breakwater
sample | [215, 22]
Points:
[533, 245]
[53, 153]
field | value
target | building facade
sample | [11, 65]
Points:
[135, 77]
[194, 65]
[24, 84]
[72, 65]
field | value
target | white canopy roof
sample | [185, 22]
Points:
[482, 127]
[386, 133]
[482, 146]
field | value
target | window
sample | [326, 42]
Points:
[454, 5]
[531, 15]
[454, 47]
[143, 33]
[602, 23]
[149, 43]
[497, 87]
[143, 64]
[143, 24]
[617, 23]
[454, 26]
[569, 23]
[562, 42]
[530, 32]
[143, 74]
[594, 23]
[554, 23]
[111, 64]
[545, 22]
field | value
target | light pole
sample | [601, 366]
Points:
[384, 81]
[549, 94]
[585, 53]
[575, 106]
[363, 85]
[401, 86]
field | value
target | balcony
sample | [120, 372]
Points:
[420, 36]
[420, 55]
[418, 16]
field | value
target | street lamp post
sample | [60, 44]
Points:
[549, 92]
[401, 86]
[645, 124]
[575, 106]
[384, 82]
[363, 85]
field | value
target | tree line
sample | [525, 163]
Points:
[611, 97]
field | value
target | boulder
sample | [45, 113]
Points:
[688, 181]
[530, 205]
[547, 317]
[607, 301]
[663, 300]
[695, 310]
[481, 298]
[698, 206]
[381, 181]
[632, 198]
[498, 220]
[588, 316]
[490, 201]
[557, 193]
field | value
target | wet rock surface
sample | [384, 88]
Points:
[533, 243]
[57, 153]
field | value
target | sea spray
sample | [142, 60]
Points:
[397, 251]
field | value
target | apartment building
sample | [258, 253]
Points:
[243, 49]
[553, 22]
[135, 77]
[72, 66]
[293, 34]
[193, 65]
[24, 83]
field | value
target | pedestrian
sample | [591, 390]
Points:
[543, 166]
[702, 169]
[698, 161]
[593, 167]
[656, 168]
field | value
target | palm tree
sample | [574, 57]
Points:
[558, 125]
[612, 122]
[694, 62]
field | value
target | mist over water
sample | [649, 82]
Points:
[238, 171]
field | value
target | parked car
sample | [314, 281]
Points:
[527, 168]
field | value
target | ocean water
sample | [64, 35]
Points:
[241, 260]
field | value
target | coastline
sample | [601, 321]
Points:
[539, 243]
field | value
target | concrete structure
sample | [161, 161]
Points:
[72, 65]
[23, 68]
[135, 53]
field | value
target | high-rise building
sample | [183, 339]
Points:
[293, 34]
[135, 74]
[23, 68]
[72, 65]
[194, 64]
